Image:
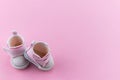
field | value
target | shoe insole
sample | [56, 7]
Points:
[15, 41]
[40, 49]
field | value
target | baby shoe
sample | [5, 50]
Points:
[15, 48]
[39, 54]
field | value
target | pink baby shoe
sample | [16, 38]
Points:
[15, 48]
[39, 54]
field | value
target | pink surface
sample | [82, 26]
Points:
[84, 36]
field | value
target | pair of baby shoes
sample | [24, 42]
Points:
[38, 53]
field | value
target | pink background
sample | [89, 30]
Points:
[84, 36]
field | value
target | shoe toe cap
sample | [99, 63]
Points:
[19, 61]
